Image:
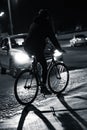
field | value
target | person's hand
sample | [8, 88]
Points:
[63, 51]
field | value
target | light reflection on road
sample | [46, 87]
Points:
[8, 104]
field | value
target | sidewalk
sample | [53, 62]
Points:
[65, 112]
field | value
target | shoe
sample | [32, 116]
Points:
[45, 91]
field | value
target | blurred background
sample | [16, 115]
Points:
[18, 14]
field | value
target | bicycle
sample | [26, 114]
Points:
[27, 83]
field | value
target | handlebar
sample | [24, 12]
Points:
[52, 51]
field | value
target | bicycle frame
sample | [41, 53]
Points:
[35, 66]
[56, 71]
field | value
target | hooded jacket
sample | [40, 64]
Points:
[40, 29]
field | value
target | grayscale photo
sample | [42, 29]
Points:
[43, 65]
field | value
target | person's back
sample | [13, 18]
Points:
[40, 29]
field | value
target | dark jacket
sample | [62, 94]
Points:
[39, 30]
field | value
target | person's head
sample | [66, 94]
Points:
[43, 16]
[44, 13]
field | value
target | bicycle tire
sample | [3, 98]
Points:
[26, 93]
[58, 77]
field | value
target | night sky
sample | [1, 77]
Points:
[66, 14]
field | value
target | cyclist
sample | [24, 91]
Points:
[35, 43]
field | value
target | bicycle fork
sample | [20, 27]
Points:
[28, 86]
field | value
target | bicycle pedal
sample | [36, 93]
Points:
[27, 87]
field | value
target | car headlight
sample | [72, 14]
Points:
[57, 54]
[21, 58]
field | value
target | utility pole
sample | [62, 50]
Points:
[10, 18]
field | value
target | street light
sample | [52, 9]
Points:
[10, 18]
[1, 14]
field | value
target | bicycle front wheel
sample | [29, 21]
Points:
[26, 87]
[58, 77]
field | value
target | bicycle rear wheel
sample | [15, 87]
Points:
[58, 77]
[26, 87]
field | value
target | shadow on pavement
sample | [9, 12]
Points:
[25, 112]
[76, 89]
[71, 120]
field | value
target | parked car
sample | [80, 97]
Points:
[78, 40]
[12, 55]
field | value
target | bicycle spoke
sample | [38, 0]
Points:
[26, 87]
[58, 77]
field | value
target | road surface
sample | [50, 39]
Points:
[68, 111]
[65, 112]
